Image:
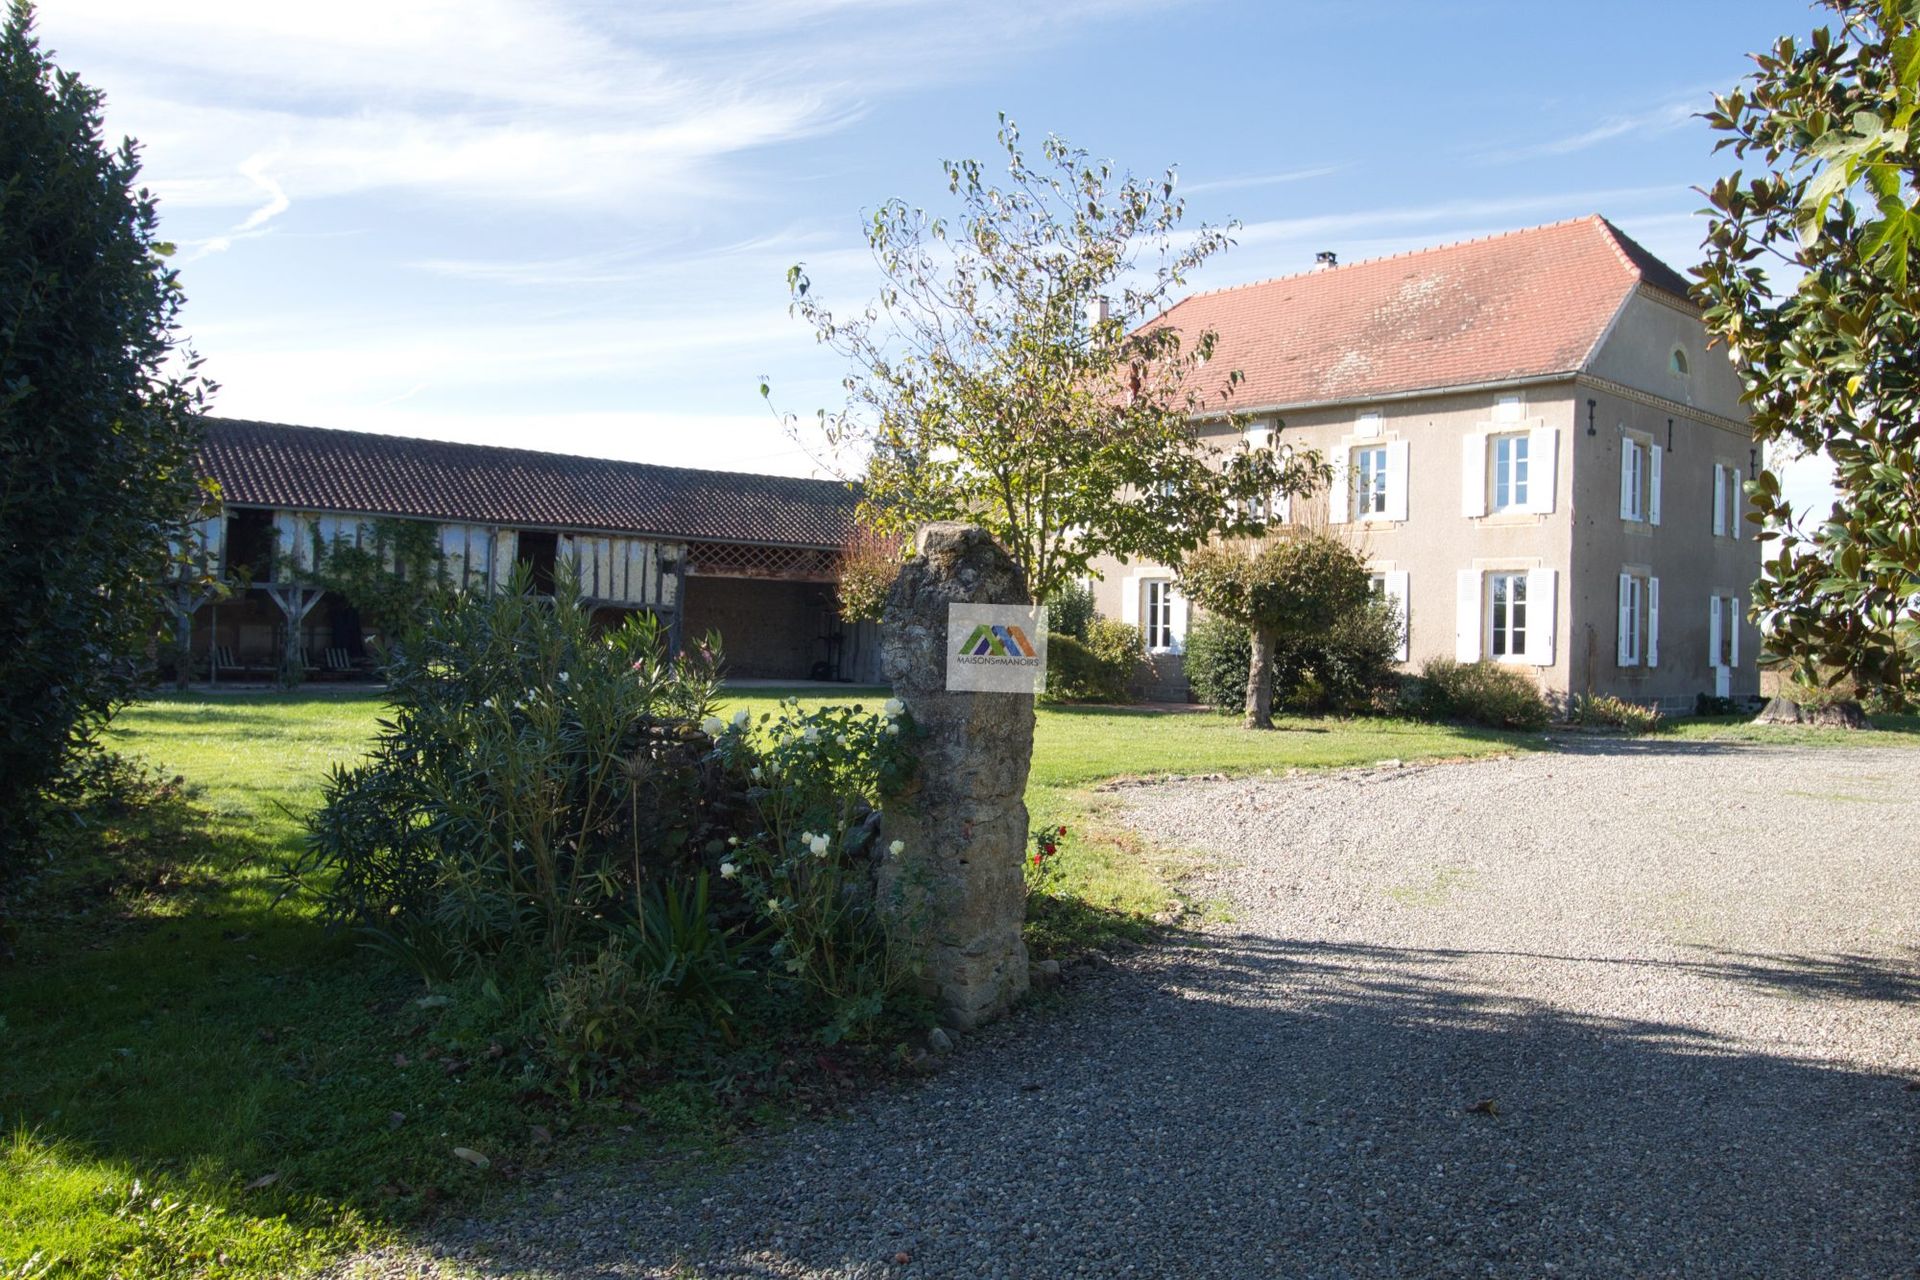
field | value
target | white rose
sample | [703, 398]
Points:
[565, 676]
[819, 845]
[894, 707]
[713, 726]
[811, 734]
[893, 730]
[742, 718]
[733, 842]
[728, 871]
[897, 848]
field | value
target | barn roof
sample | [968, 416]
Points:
[317, 469]
[1523, 304]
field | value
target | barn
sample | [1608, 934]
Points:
[751, 558]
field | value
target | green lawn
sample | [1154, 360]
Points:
[1887, 731]
[277, 1091]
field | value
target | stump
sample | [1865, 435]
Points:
[956, 892]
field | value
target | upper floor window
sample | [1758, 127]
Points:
[1370, 493]
[1677, 363]
[1726, 501]
[1640, 467]
[1511, 472]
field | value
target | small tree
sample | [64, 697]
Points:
[1298, 585]
[1833, 364]
[988, 384]
[96, 438]
[869, 562]
[395, 578]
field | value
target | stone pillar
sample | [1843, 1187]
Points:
[957, 891]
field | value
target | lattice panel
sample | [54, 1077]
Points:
[787, 564]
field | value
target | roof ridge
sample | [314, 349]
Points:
[1312, 272]
[516, 450]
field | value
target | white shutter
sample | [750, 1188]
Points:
[1653, 485]
[1735, 617]
[1466, 620]
[1653, 622]
[1177, 620]
[1541, 584]
[1624, 650]
[1130, 600]
[1473, 474]
[1735, 503]
[1713, 631]
[1627, 448]
[1397, 455]
[1719, 503]
[1397, 583]
[1543, 446]
[1340, 489]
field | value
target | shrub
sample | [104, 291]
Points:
[1605, 711]
[98, 427]
[1099, 668]
[869, 562]
[1488, 693]
[1706, 704]
[1217, 657]
[544, 806]
[1070, 610]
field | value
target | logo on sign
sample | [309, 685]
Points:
[996, 648]
[997, 642]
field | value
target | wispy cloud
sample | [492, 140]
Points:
[1262, 180]
[1667, 116]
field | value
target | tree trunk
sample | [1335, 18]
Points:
[1260, 681]
[1838, 715]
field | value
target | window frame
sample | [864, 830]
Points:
[1370, 487]
[1637, 455]
[1513, 636]
[1156, 614]
[1519, 491]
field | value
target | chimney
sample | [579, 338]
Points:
[1099, 311]
[1325, 260]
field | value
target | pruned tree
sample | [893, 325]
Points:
[990, 382]
[1809, 279]
[1293, 585]
[97, 424]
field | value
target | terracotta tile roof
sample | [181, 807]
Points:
[313, 469]
[1516, 305]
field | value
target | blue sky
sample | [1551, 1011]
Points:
[567, 226]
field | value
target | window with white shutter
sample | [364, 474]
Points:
[1653, 622]
[1161, 615]
[1632, 613]
[1542, 601]
[1507, 617]
[1370, 486]
[1543, 446]
[1391, 585]
[1654, 455]
[1633, 480]
[1511, 472]
[1468, 619]
[1719, 502]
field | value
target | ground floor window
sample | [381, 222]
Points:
[1639, 621]
[1507, 615]
[1156, 614]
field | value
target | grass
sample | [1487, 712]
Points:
[1887, 731]
[195, 1080]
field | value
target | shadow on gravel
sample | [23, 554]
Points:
[1246, 1107]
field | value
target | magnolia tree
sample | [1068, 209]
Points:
[990, 383]
[1302, 584]
[1832, 363]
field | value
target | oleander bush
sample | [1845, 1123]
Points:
[1486, 693]
[552, 810]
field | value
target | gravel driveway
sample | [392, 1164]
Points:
[1623, 1010]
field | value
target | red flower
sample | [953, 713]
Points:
[1063, 831]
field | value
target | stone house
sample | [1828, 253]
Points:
[752, 558]
[1532, 443]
